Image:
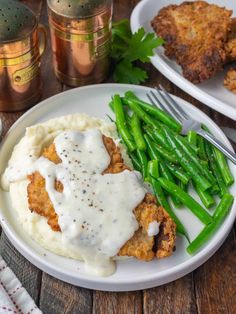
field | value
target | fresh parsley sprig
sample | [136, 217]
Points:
[127, 48]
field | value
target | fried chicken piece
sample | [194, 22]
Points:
[230, 80]
[39, 201]
[230, 46]
[195, 34]
[140, 245]
[116, 164]
[38, 198]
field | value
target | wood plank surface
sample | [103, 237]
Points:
[176, 297]
[117, 302]
[209, 289]
[59, 297]
[215, 281]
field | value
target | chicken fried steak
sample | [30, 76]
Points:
[140, 245]
[195, 34]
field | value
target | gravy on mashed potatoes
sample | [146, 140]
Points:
[95, 210]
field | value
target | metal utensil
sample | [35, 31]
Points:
[169, 105]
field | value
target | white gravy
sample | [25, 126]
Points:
[153, 228]
[95, 211]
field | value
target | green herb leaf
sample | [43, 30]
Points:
[121, 30]
[141, 46]
[128, 48]
[125, 72]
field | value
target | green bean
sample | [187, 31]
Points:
[150, 148]
[193, 148]
[165, 153]
[137, 132]
[205, 196]
[165, 173]
[192, 137]
[215, 169]
[218, 217]
[157, 136]
[154, 155]
[142, 114]
[154, 174]
[131, 94]
[223, 208]
[183, 186]
[122, 124]
[149, 133]
[194, 159]
[186, 164]
[135, 161]
[204, 161]
[201, 145]
[143, 162]
[154, 111]
[127, 117]
[223, 166]
[178, 172]
[222, 163]
[187, 200]
[214, 190]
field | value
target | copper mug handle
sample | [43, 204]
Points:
[42, 32]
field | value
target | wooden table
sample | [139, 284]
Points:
[209, 289]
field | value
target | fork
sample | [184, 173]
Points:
[170, 106]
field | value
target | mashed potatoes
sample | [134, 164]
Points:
[28, 150]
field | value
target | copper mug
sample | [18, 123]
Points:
[22, 42]
[81, 38]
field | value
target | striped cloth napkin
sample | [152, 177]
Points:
[14, 299]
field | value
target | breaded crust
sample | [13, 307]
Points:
[195, 34]
[230, 80]
[140, 245]
[230, 46]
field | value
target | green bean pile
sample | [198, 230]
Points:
[170, 161]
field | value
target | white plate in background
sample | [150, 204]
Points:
[211, 92]
[131, 274]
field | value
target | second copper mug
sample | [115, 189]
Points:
[20, 51]
[81, 36]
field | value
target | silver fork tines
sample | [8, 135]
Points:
[164, 101]
[168, 106]
[174, 104]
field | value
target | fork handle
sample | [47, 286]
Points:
[225, 150]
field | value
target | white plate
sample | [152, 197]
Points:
[131, 274]
[211, 92]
